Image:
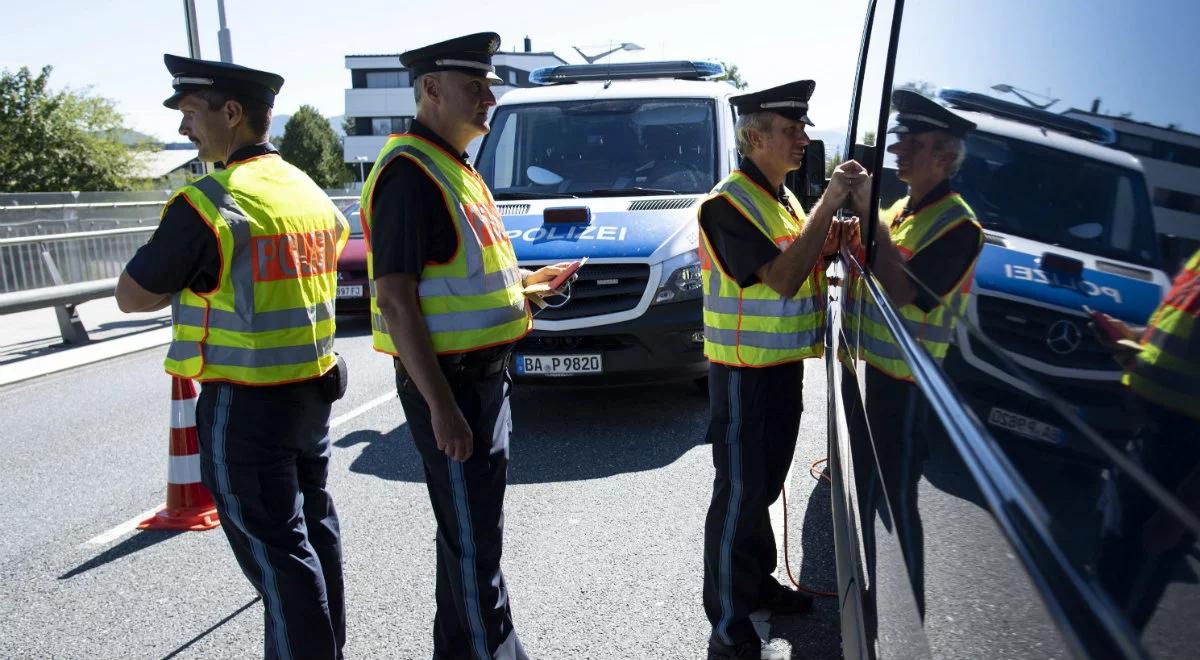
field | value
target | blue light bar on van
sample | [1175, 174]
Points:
[1026, 115]
[681, 69]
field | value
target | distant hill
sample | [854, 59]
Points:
[278, 122]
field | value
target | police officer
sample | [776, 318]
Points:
[1142, 553]
[763, 315]
[447, 302]
[247, 259]
[934, 236]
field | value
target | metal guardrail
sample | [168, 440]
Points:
[85, 241]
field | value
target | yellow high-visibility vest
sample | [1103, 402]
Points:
[270, 320]
[754, 326]
[934, 329]
[474, 300]
[1167, 370]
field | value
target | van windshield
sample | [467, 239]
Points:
[1058, 198]
[606, 147]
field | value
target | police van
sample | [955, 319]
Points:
[1068, 225]
[611, 162]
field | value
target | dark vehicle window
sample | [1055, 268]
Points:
[582, 146]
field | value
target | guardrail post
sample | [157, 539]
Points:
[69, 323]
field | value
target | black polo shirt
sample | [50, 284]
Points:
[944, 262]
[736, 242]
[183, 252]
[410, 224]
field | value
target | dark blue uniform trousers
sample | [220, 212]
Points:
[473, 618]
[264, 455]
[754, 420]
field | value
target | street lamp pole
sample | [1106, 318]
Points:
[362, 161]
[1016, 91]
[590, 59]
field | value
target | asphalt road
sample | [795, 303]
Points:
[604, 517]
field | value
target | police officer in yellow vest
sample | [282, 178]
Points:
[1143, 553]
[247, 259]
[447, 302]
[764, 313]
[928, 243]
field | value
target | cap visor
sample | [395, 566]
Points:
[494, 79]
[172, 102]
[898, 128]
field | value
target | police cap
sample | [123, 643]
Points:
[789, 100]
[470, 54]
[191, 75]
[918, 114]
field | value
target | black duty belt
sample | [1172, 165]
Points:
[467, 364]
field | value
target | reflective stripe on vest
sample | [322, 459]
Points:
[754, 326]
[271, 318]
[474, 300]
[1167, 370]
[935, 329]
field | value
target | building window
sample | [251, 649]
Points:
[1158, 149]
[1177, 201]
[512, 77]
[390, 125]
[387, 79]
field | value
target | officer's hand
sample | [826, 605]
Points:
[546, 273]
[860, 195]
[452, 433]
[851, 234]
[843, 180]
[833, 239]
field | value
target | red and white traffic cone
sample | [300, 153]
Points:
[189, 505]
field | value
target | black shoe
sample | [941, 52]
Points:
[783, 601]
[749, 650]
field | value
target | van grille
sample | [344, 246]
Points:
[512, 209]
[602, 289]
[663, 204]
[1031, 331]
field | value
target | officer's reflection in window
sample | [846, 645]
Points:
[1144, 545]
[928, 243]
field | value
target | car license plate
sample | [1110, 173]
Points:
[557, 365]
[350, 291]
[1025, 426]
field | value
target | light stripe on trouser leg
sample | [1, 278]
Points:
[271, 599]
[466, 541]
[735, 496]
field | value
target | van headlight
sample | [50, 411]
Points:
[681, 279]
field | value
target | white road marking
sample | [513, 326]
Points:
[373, 403]
[123, 528]
[129, 525]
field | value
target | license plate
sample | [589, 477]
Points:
[1025, 426]
[557, 365]
[350, 291]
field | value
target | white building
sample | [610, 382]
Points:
[1171, 159]
[380, 99]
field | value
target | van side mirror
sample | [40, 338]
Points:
[808, 182]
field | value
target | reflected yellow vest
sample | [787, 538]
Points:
[1167, 370]
[935, 329]
[270, 319]
[754, 326]
[475, 299]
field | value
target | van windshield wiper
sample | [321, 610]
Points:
[620, 192]
[532, 195]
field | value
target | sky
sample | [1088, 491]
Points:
[1137, 57]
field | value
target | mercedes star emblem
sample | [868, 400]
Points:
[1063, 337]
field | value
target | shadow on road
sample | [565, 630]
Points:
[135, 543]
[564, 434]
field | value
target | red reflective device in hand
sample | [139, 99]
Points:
[562, 277]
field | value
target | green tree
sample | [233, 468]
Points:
[733, 76]
[64, 140]
[309, 142]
